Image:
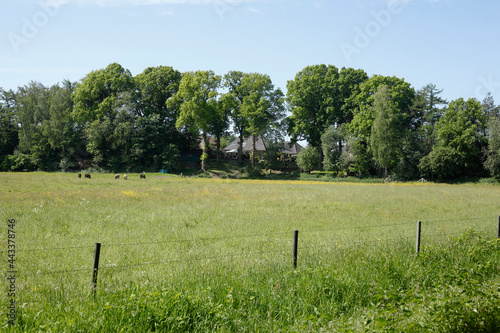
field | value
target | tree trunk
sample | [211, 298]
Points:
[253, 151]
[218, 149]
[240, 150]
[204, 155]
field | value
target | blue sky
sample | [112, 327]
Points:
[453, 44]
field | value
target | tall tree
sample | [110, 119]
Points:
[350, 81]
[492, 162]
[155, 139]
[9, 137]
[262, 106]
[220, 122]
[491, 110]
[387, 132]
[103, 108]
[313, 99]
[332, 146]
[32, 110]
[198, 93]
[461, 135]
[234, 99]
[429, 106]
[98, 91]
[401, 95]
[59, 128]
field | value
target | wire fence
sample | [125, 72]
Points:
[257, 245]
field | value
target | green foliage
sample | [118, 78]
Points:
[412, 151]
[355, 158]
[426, 106]
[154, 127]
[460, 139]
[18, 162]
[332, 146]
[441, 163]
[9, 137]
[199, 109]
[154, 86]
[308, 159]
[255, 106]
[95, 95]
[262, 105]
[271, 156]
[387, 131]
[320, 96]
[401, 94]
[492, 162]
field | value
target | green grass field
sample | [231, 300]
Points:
[194, 254]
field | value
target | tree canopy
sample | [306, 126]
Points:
[354, 124]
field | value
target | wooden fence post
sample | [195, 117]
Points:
[419, 232]
[295, 246]
[498, 228]
[97, 252]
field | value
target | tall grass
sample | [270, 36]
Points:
[182, 254]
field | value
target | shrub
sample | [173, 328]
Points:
[308, 159]
[18, 162]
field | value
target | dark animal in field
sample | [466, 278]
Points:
[87, 176]
[79, 175]
[117, 176]
[125, 177]
[143, 176]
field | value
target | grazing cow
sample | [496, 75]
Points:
[117, 176]
[87, 176]
[79, 175]
[125, 177]
[143, 176]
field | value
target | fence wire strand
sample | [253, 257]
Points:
[341, 244]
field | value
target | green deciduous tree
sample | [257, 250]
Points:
[401, 96]
[308, 159]
[96, 94]
[220, 121]
[9, 137]
[492, 162]
[234, 97]
[64, 138]
[198, 95]
[103, 108]
[332, 146]
[387, 131]
[32, 110]
[314, 100]
[461, 137]
[262, 106]
[155, 135]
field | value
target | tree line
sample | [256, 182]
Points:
[354, 124]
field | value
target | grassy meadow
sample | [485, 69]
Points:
[195, 255]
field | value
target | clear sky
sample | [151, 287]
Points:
[454, 44]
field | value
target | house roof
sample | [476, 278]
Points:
[291, 148]
[261, 145]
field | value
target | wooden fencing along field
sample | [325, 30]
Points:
[294, 240]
